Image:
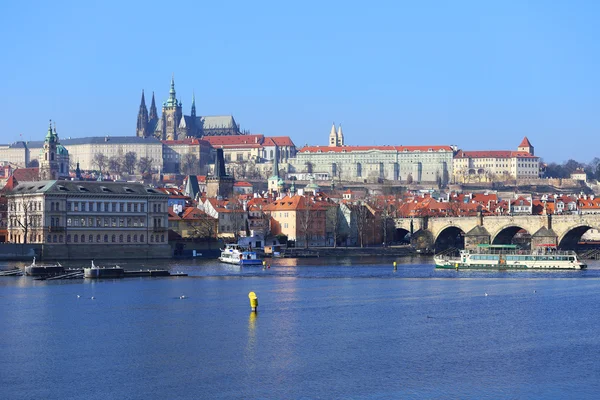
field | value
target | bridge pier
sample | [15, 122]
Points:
[476, 236]
[544, 236]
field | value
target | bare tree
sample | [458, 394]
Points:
[190, 164]
[115, 165]
[145, 165]
[24, 208]
[409, 179]
[100, 161]
[129, 161]
[334, 222]
[305, 215]
[362, 222]
[387, 221]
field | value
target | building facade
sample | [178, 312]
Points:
[89, 219]
[497, 165]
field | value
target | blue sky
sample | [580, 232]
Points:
[479, 74]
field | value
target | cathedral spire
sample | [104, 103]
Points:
[193, 113]
[153, 113]
[142, 119]
[172, 98]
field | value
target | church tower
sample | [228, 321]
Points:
[275, 183]
[526, 146]
[333, 141]
[171, 115]
[340, 136]
[48, 161]
[142, 119]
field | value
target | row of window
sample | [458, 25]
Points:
[102, 238]
[25, 205]
[106, 206]
[105, 222]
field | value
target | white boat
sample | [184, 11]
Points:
[236, 254]
[490, 256]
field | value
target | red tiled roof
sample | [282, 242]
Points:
[493, 154]
[525, 143]
[188, 141]
[342, 149]
[27, 174]
[234, 140]
[244, 184]
[278, 140]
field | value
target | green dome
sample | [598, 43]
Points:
[60, 149]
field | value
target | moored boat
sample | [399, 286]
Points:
[43, 270]
[103, 272]
[490, 256]
[236, 254]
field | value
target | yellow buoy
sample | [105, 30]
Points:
[253, 301]
[395, 266]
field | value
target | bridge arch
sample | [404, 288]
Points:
[401, 235]
[508, 235]
[569, 239]
[449, 236]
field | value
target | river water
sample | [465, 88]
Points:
[326, 329]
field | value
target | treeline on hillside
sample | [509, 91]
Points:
[564, 170]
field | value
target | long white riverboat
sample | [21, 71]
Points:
[236, 254]
[489, 256]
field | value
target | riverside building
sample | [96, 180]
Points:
[73, 219]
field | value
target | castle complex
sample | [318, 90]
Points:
[173, 125]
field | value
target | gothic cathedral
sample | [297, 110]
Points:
[173, 125]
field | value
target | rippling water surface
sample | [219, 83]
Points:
[326, 329]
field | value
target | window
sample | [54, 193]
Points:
[68, 221]
[97, 239]
[135, 238]
[75, 238]
[135, 207]
[152, 238]
[82, 238]
[121, 222]
[120, 238]
[142, 207]
[113, 222]
[142, 238]
[113, 238]
[52, 206]
[128, 207]
[49, 238]
[128, 238]
[162, 238]
[105, 238]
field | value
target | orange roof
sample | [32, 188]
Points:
[493, 154]
[525, 142]
[243, 184]
[343, 149]
[234, 140]
[278, 140]
[27, 174]
[188, 141]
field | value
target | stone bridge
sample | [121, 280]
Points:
[431, 233]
